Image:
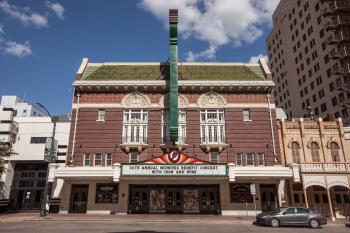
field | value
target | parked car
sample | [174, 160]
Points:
[292, 216]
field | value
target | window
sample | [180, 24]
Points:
[98, 160]
[250, 159]
[240, 193]
[295, 152]
[261, 159]
[135, 123]
[86, 160]
[108, 161]
[101, 114]
[38, 140]
[239, 159]
[214, 157]
[134, 157]
[246, 114]
[166, 128]
[334, 101]
[106, 193]
[323, 107]
[302, 210]
[334, 151]
[212, 126]
[315, 152]
[290, 211]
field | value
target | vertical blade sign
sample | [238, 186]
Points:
[174, 110]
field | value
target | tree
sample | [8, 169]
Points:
[5, 152]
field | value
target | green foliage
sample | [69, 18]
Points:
[5, 151]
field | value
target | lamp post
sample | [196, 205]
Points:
[45, 198]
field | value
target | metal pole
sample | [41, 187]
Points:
[46, 199]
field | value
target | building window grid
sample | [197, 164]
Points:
[212, 126]
[135, 124]
[315, 154]
[250, 159]
[334, 152]
[108, 160]
[86, 160]
[101, 114]
[295, 152]
[97, 160]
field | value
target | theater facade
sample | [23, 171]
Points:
[171, 137]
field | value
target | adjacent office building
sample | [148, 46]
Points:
[308, 50]
[22, 108]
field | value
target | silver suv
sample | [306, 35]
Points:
[292, 216]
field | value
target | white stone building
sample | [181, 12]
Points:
[22, 108]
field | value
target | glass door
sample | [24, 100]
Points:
[79, 199]
[174, 201]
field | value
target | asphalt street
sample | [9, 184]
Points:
[153, 227]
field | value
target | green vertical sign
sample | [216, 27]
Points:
[174, 109]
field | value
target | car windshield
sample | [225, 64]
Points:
[279, 210]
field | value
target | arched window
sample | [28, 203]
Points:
[334, 152]
[295, 152]
[315, 152]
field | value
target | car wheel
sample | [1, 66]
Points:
[314, 224]
[274, 222]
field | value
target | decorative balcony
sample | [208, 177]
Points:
[325, 167]
[337, 21]
[208, 143]
[134, 142]
[337, 6]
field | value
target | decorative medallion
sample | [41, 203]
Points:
[211, 100]
[174, 156]
[135, 100]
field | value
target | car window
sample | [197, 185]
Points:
[290, 211]
[302, 211]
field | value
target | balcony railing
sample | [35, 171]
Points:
[134, 140]
[325, 167]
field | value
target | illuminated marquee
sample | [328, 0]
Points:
[173, 170]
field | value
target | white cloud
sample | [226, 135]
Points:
[57, 8]
[17, 49]
[24, 15]
[2, 29]
[217, 22]
[255, 59]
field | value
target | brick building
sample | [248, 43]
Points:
[321, 148]
[172, 138]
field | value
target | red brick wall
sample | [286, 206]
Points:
[103, 137]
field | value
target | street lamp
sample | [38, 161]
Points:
[45, 198]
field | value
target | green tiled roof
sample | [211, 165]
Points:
[201, 71]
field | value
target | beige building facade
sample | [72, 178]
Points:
[321, 150]
[308, 50]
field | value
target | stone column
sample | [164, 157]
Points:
[305, 196]
[281, 193]
[330, 204]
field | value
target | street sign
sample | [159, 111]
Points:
[252, 189]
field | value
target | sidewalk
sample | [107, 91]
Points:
[20, 217]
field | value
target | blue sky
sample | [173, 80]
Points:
[42, 43]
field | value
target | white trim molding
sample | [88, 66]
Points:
[258, 172]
